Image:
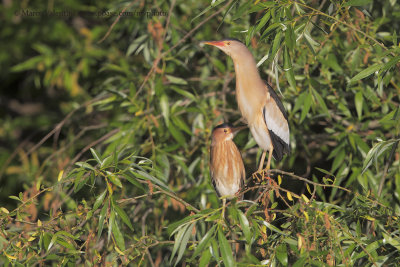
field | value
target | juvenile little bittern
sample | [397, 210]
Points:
[259, 104]
[226, 164]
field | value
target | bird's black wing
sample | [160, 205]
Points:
[275, 96]
[275, 117]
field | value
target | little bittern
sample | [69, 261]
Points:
[258, 102]
[226, 164]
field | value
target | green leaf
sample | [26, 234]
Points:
[306, 107]
[321, 103]
[52, 241]
[15, 198]
[181, 124]
[324, 171]
[99, 200]
[145, 176]
[181, 239]
[391, 63]
[226, 251]
[312, 44]
[263, 21]
[287, 65]
[358, 100]
[290, 38]
[371, 247]
[204, 241]
[245, 226]
[205, 258]
[79, 182]
[135, 44]
[276, 44]
[358, 2]
[85, 165]
[96, 157]
[375, 152]
[176, 80]
[132, 179]
[394, 241]
[338, 160]
[281, 254]
[121, 213]
[177, 135]
[165, 108]
[102, 216]
[114, 179]
[273, 228]
[119, 238]
[184, 93]
[183, 243]
[331, 62]
[213, 5]
[365, 73]
[27, 65]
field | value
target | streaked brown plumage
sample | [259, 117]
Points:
[226, 164]
[258, 102]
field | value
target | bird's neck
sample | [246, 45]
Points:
[247, 75]
[250, 88]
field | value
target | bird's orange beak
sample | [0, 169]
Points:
[215, 43]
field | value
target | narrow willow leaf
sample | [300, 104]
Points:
[375, 152]
[244, 223]
[273, 228]
[290, 39]
[99, 200]
[165, 108]
[357, 2]
[176, 80]
[102, 216]
[338, 160]
[281, 254]
[306, 107]
[321, 103]
[358, 100]
[119, 238]
[205, 258]
[177, 135]
[365, 73]
[183, 243]
[52, 241]
[114, 179]
[95, 155]
[263, 21]
[121, 213]
[84, 165]
[276, 45]
[204, 242]
[226, 251]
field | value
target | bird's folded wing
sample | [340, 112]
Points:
[277, 124]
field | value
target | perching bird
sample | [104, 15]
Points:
[226, 164]
[258, 102]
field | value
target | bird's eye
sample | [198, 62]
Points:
[228, 43]
[225, 130]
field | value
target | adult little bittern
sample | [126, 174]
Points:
[258, 102]
[226, 164]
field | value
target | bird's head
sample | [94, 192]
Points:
[231, 47]
[225, 132]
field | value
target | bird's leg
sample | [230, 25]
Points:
[260, 167]
[223, 208]
[269, 158]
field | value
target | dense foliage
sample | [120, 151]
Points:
[106, 120]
